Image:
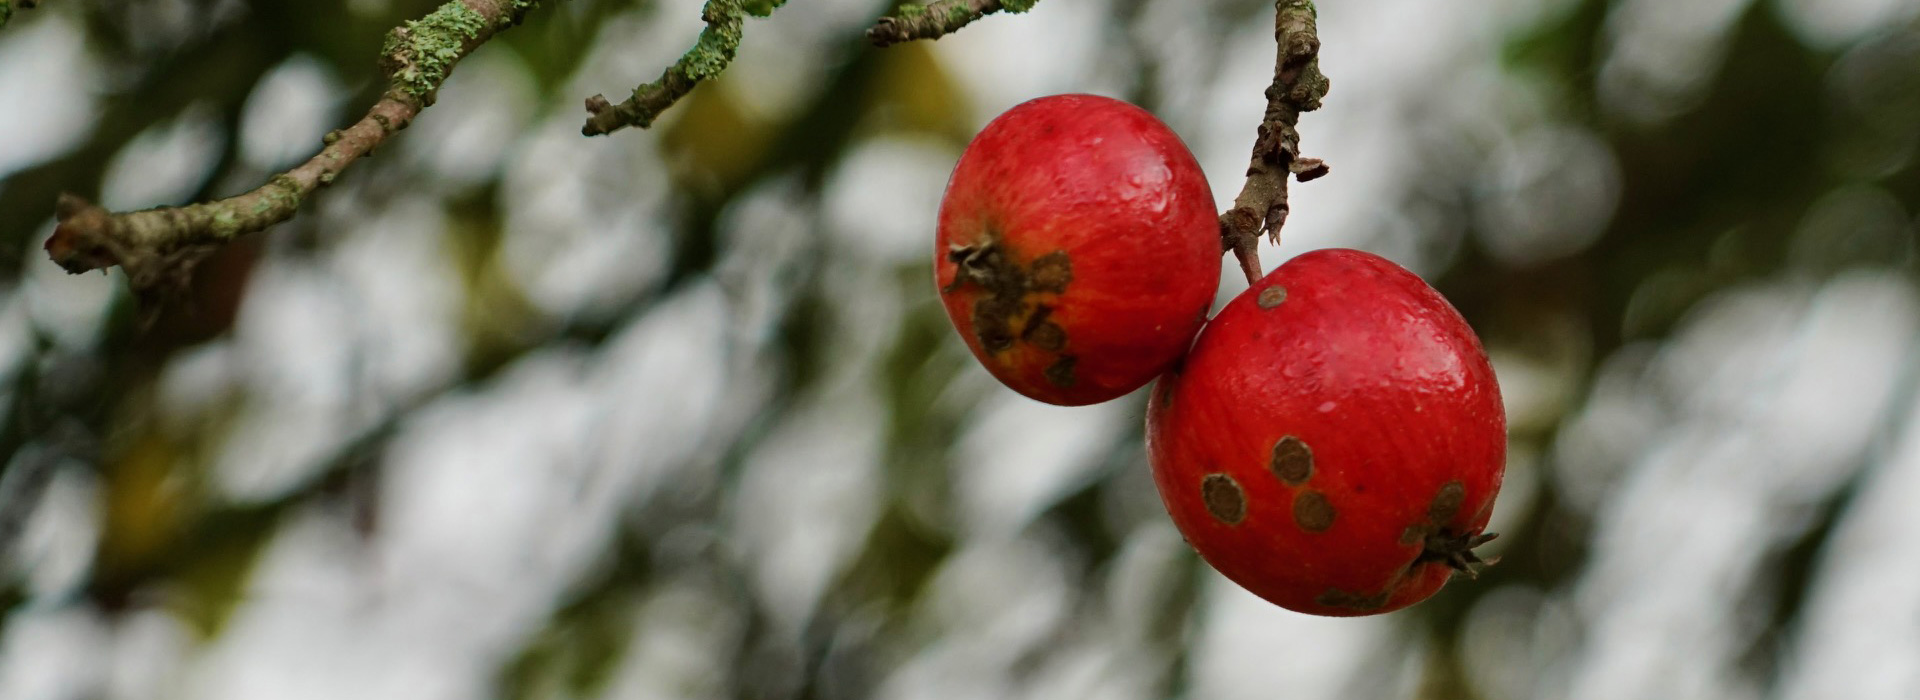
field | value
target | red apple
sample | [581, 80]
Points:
[1078, 250]
[1334, 441]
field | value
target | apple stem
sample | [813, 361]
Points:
[1298, 86]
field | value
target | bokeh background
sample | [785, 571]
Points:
[511, 413]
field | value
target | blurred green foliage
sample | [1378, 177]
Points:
[1719, 195]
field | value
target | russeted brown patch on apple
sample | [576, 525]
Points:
[1223, 498]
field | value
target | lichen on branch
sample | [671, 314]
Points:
[159, 247]
[711, 54]
[938, 19]
[1298, 86]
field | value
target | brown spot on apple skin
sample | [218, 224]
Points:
[1052, 272]
[1312, 512]
[1446, 503]
[1008, 310]
[1042, 333]
[1223, 498]
[1061, 371]
[990, 323]
[1415, 534]
[1048, 336]
[1271, 297]
[1292, 461]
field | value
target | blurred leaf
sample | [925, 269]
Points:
[714, 142]
[214, 569]
[912, 93]
[580, 648]
[499, 320]
[900, 557]
[147, 507]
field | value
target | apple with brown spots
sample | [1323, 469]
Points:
[1077, 250]
[1335, 439]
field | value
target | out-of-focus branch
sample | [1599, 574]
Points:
[7, 7]
[1298, 86]
[938, 19]
[159, 247]
[712, 53]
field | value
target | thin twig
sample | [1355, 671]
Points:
[712, 53]
[937, 19]
[159, 247]
[1298, 86]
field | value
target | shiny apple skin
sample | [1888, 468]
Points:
[1334, 431]
[1078, 250]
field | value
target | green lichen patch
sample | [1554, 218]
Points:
[763, 8]
[420, 54]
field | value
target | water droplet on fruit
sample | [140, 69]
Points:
[1328, 407]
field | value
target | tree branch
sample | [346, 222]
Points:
[712, 53]
[938, 19]
[159, 247]
[1298, 86]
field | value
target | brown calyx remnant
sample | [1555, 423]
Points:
[1271, 297]
[1336, 598]
[1292, 461]
[1008, 312]
[1223, 498]
[1312, 512]
[1442, 544]
[1457, 551]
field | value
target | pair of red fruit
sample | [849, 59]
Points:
[1332, 440]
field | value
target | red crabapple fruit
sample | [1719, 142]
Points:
[1335, 438]
[1078, 250]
